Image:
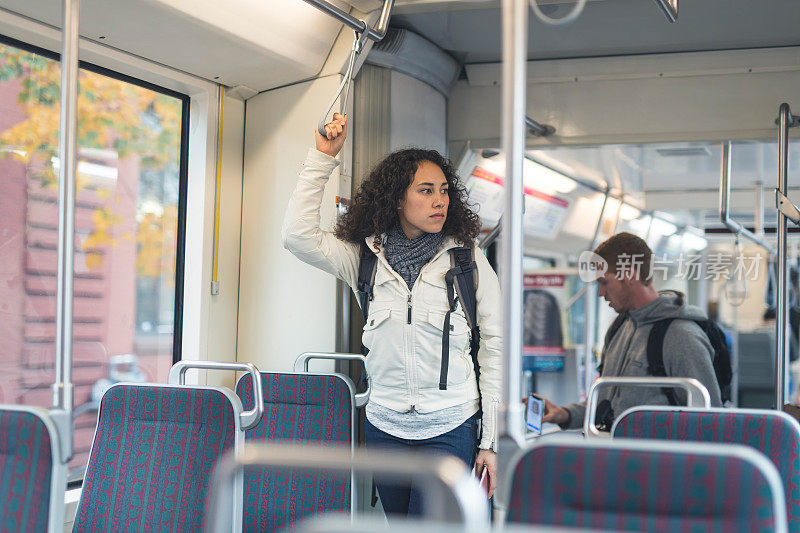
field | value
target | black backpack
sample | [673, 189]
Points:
[460, 285]
[655, 352]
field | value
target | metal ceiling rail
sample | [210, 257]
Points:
[538, 130]
[670, 8]
[724, 201]
[376, 34]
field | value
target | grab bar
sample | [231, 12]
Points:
[376, 34]
[786, 210]
[301, 365]
[724, 201]
[177, 376]
[697, 395]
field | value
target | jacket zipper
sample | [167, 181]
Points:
[409, 310]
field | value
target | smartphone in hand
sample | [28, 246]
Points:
[534, 413]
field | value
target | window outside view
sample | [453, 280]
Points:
[126, 231]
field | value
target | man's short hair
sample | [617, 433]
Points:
[624, 252]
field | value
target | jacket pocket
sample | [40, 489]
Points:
[386, 288]
[385, 363]
[434, 290]
[429, 350]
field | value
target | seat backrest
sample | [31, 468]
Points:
[773, 433]
[153, 455]
[298, 408]
[627, 485]
[32, 477]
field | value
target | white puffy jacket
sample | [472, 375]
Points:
[404, 328]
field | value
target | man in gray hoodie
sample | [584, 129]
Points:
[627, 288]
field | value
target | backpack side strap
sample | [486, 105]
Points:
[655, 356]
[367, 266]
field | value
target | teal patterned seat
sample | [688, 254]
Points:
[298, 408]
[626, 485]
[773, 433]
[153, 455]
[32, 477]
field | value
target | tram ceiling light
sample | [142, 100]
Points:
[546, 179]
[693, 241]
[628, 212]
[663, 227]
[538, 130]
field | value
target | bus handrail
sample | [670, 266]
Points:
[301, 365]
[697, 395]
[724, 201]
[248, 419]
[359, 26]
[785, 121]
[431, 472]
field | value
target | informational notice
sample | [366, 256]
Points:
[544, 214]
[542, 328]
[486, 191]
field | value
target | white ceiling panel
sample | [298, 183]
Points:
[260, 44]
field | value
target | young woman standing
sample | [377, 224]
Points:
[409, 211]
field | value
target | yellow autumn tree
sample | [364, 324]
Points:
[112, 115]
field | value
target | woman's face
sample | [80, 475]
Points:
[423, 207]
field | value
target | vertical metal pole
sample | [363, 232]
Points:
[67, 149]
[781, 315]
[515, 46]
[590, 336]
[759, 222]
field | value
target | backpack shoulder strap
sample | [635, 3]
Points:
[655, 355]
[367, 266]
[463, 268]
[610, 333]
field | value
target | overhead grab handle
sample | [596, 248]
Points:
[301, 365]
[358, 45]
[177, 376]
[696, 395]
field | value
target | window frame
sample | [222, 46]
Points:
[193, 302]
[182, 172]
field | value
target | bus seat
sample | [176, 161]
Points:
[773, 433]
[298, 408]
[628, 485]
[32, 475]
[153, 454]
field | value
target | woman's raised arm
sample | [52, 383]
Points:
[301, 233]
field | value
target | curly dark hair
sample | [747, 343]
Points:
[373, 210]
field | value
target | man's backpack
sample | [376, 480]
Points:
[460, 285]
[655, 352]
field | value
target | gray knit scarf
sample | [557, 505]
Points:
[407, 256]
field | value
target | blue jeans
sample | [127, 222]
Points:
[405, 500]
